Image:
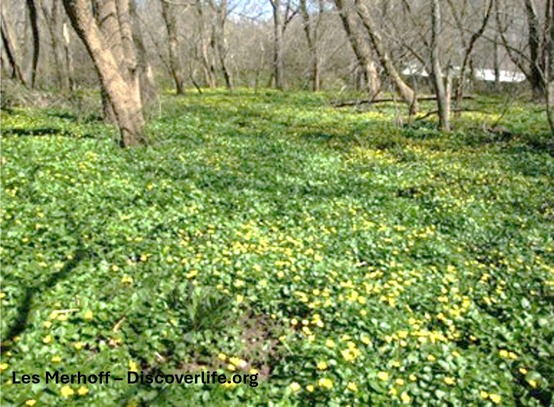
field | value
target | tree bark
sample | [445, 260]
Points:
[116, 80]
[311, 30]
[53, 23]
[68, 57]
[218, 31]
[360, 47]
[406, 92]
[33, 17]
[145, 72]
[169, 14]
[536, 68]
[550, 64]
[278, 65]
[441, 91]
[8, 41]
[205, 43]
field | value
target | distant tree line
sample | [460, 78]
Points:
[411, 47]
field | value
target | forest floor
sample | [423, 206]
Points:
[341, 255]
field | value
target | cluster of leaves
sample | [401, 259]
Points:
[342, 259]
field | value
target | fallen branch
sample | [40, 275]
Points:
[384, 100]
[457, 110]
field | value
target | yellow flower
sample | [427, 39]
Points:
[47, 324]
[450, 381]
[365, 340]
[384, 376]
[222, 356]
[310, 388]
[89, 315]
[352, 387]
[2, 295]
[295, 387]
[238, 362]
[82, 391]
[47, 339]
[412, 377]
[503, 353]
[330, 343]
[56, 359]
[253, 371]
[350, 354]
[405, 398]
[133, 366]
[523, 371]
[495, 398]
[393, 392]
[325, 383]
[240, 299]
[30, 402]
[400, 382]
[67, 391]
[431, 358]
[532, 383]
[78, 345]
[3, 366]
[127, 280]
[322, 365]
[395, 363]
[484, 395]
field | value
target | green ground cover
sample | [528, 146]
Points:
[345, 258]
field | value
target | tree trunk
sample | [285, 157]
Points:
[467, 61]
[441, 91]
[68, 57]
[145, 72]
[117, 80]
[8, 40]
[536, 68]
[311, 30]
[361, 49]
[204, 39]
[218, 28]
[33, 17]
[278, 65]
[496, 62]
[53, 23]
[549, 37]
[169, 14]
[406, 93]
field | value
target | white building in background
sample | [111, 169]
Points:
[481, 74]
[488, 75]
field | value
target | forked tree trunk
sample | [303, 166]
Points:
[219, 19]
[311, 26]
[360, 47]
[117, 81]
[406, 92]
[205, 44]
